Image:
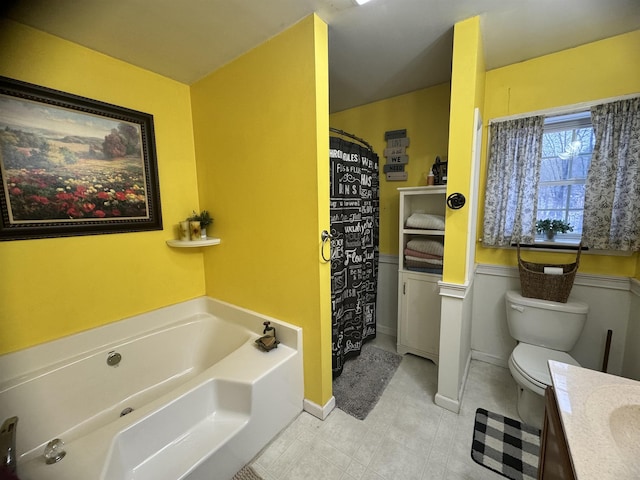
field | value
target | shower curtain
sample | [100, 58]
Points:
[354, 247]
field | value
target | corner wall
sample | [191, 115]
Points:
[261, 136]
[467, 95]
[50, 288]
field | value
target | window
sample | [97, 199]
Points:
[580, 168]
[567, 145]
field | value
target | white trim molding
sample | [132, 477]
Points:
[565, 109]
[386, 258]
[635, 286]
[454, 290]
[318, 411]
[586, 279]
[488, 358]
[447, 403]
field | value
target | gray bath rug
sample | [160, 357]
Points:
[363, 379]
[505, 445]
[247, 473]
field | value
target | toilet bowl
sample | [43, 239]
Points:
[545, 331]
[529, 368]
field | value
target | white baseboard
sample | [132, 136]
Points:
[487, 358]
[318, 411]
[448, 403]
[386, 330]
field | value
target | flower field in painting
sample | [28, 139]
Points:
[89, 189]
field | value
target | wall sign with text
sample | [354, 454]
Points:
[396, 154]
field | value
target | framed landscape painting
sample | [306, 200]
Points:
[73, 166]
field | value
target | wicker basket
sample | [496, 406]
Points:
[537, 284]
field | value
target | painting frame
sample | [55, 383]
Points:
[60, 177]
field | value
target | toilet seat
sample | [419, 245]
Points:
[530, 361]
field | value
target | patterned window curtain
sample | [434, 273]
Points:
[511, 199]
[612, 189]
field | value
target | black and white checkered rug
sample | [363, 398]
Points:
[505, 446]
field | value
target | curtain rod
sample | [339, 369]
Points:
[566, 109]
[350, 135]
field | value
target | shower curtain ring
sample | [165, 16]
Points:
[325, 236]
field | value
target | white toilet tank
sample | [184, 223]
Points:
[547, 324]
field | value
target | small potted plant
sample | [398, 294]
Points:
[205, 220]
[550, 227]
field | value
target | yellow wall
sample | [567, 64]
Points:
[261, 139]
[425, 115]
[598, 70]
[467, 93]
[55, 287]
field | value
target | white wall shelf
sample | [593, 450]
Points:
[205, 242]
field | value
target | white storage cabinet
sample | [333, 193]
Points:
[418, 292]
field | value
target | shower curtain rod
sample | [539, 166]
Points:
[350, 135]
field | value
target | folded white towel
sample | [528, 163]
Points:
[427, 245]
[419, 260]
[425, 221]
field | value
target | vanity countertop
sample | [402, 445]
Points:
[600, 415]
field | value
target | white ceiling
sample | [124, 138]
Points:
[376, 51]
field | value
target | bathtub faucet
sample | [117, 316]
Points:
[8, 443]
[268, 341]
[268, 328]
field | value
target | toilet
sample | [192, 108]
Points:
[545, 331]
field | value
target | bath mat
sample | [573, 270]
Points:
[506, 446]
[363, 379]
[247, 473]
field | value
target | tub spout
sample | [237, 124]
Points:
[268, 341]
[268, 328]
[8, 443]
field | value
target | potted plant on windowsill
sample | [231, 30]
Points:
[551, 226]
[205, 220]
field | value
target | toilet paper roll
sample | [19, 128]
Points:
[553, 270]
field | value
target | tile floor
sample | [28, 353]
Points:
[405, 437]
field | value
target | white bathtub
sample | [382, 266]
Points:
[205, 399]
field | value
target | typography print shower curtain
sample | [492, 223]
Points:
[354, 247]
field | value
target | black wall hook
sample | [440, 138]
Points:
[455, 201]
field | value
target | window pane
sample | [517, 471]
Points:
[580, 166]
[576, 196]
[575, 220]
[551, 214]
[567, 145]
[553, 169]
[554, 143]
[552, 197]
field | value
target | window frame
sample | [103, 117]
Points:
[561, 122]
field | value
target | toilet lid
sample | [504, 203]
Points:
[531, 360]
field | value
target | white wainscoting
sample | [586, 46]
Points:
[609, 300]
[387, 302]
[631, 364]
[614, 303]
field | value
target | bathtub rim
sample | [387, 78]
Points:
[27, 362]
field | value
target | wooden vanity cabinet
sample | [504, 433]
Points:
[555, 461]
